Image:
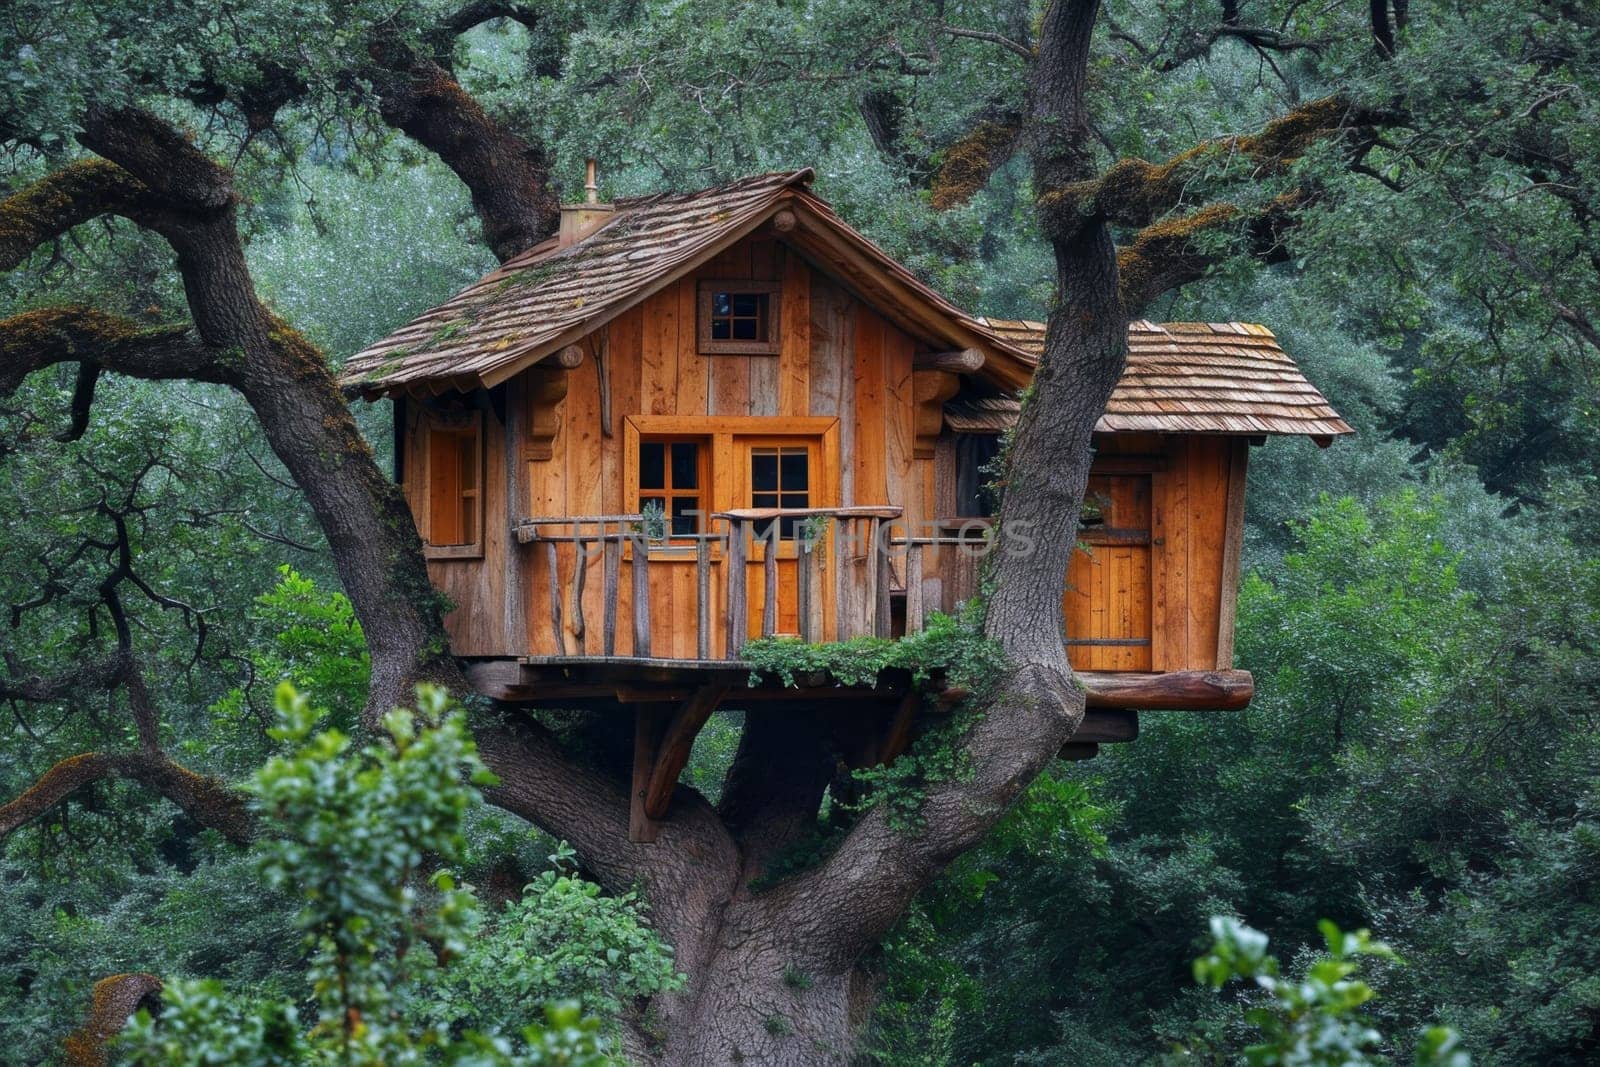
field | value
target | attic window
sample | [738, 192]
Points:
[455, 485]
[739, 317]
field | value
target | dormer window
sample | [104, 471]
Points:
[739, 318]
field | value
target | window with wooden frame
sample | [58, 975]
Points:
[673, 478]
[780, 477]
[739, 317]
[454, 461]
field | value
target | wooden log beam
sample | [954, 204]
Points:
[965, 361]
[672, 754]
[1170, 691]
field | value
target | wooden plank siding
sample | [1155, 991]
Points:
[838, 359]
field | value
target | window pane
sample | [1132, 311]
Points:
[795, 467]
[787, 526]
[685, 516]
[747, 304]
[763, 500]
[652, 503]
[797, 500]
[652, 465]
[764, 470]
[745, 330]
[722, 304]
[685, 465]
[720, 330]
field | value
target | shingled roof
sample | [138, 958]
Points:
[548, 297]
[1183, 377]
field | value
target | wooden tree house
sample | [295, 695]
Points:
[693, 419]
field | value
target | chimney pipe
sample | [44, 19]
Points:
[580, 220]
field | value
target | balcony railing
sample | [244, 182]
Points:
[842, 580]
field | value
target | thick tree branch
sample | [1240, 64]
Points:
[34, 340]
[507, 175]
[1168, 253]
[966, 164]
[75, 194]
[1134, 192]
[114, 1001]
[206, 800]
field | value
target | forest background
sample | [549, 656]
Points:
[1422, 612]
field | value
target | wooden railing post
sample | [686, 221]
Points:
[914, 609]
[552, 560]
[806, 590]
[611, 550]
[702, 583]
[769, 580]
[580, 571]
[641, 594]
[738, 620]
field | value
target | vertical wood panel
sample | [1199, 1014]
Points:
[794, 361]
[1232, 547]
[658, 363]
[693, 371]
[870, 446]
[1208, 507]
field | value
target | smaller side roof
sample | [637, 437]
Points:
[1183, 377]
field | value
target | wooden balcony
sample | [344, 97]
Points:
[830, 579]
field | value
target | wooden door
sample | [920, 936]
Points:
[778, 472]
[1107, 602]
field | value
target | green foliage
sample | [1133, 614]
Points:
[1315, 1020]
[352, 832]
[562, 938]
[316, 644]
[950, 647]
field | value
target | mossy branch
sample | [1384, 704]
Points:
[1169, 253]
[80, 334]
[1134, 192]
[54, 204]
[204, 799]
[111, 1005]
[969, 161]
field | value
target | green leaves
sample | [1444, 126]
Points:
[1315, 1020]
[365, 838]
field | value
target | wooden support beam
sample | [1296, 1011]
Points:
[552, 563]
[930, 389]
[677, 741]
[546, 389]
[965, 361]
[737, 621]
[649, 721]
[898, 736]
[1111, 725]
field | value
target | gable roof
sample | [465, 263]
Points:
[548, 297]
[1183, 377]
